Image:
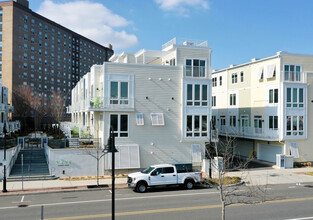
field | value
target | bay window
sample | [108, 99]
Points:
[197, 95]
[119, 93]
[195, 68]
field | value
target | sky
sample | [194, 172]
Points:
[236, 30]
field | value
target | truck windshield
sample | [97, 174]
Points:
[148, 170]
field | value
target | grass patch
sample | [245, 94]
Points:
[226, 181]
[309, 173]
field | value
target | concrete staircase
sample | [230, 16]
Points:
[35, 166]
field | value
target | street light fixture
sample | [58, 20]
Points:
[110, 148]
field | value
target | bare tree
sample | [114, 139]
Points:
[221, 153]
[57, 106]
[96, 153]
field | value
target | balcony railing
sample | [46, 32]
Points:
[252, 132]
[101, 103]
[185, 42]
[294, 76]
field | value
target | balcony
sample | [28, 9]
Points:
[102, 104]
[250, 132]
[294, 76]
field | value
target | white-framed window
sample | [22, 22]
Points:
[232, 120]
[292, 72]
[295, 98]
[294, 125]
[214, 101]
[119, 122]
[234, 78]
[197, 95]
[242, 76]
[139, 119]
[195, 68]
[197, 126]
[273, 122]
[273, 96]
[119, 92]
[232, 99]
[157, 118]
[214, 82]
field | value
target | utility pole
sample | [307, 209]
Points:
[4, 189]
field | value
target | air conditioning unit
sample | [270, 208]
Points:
[284, 161]
[188, 43]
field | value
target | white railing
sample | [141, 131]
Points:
[294, 76]
[249, 132]
[102, 103]
[185, 42]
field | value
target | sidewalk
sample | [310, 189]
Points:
[60, 185]
[266, 176]
[271, 176]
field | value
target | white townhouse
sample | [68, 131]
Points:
[158, 103]
[267, 104]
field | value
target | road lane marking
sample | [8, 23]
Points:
[116, 199]
[22, 199]
[300, 218]
[179, 209]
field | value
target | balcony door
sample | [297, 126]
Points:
[244, 124]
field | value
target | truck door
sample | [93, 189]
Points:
[169, 175]
[156, 178]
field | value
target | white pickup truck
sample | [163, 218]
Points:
[164, 174]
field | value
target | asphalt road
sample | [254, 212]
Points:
[282, 202]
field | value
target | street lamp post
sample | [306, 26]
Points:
[110, 148]
[4, 189]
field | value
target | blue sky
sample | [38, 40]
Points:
[236, 30]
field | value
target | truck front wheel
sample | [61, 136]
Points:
[141, 187]
[189, 184]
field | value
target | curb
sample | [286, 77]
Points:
[59, 190]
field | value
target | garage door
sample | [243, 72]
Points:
[243, 147]
[268, 152]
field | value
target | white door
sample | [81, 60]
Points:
[244, 124]
[268, 152]
[156, 177]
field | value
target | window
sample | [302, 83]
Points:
[221, 80]
[242, 76]
[261, 72]
[172, 62]
[157, 118]
[294, 125]
[119, 122]
[232, 121]
[195, 68]
[295, 97]
[213, 101]
[196, 126]
[292, 73]
[214, 82]
[139, 119]
[234, 78]
[271, 71]
[273, 96]
[197, 95]
[119, 93]
[273, 122]
[232, 99]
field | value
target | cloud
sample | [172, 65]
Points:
[182, 6]
[92, 20]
